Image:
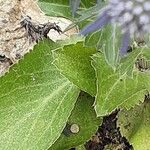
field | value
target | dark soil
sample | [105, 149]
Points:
[108, 136]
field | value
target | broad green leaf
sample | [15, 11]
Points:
[115, 91]
[75, 63]
[35, 101]
[84, 116]
[135, 124]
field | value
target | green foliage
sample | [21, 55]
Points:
[35, 102]
[114, 90]
[55, 8]
[127, 63]
[84, 116]
[39, 94]
[88, 13]
[134, 125]
[85, 16]
[61, 7]
[111, 44]
[75, 63]
[108, 41]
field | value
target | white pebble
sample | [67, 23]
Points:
[74, 128]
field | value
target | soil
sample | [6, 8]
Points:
[108, 136]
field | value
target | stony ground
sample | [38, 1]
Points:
[14, 41]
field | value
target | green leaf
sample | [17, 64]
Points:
[87, 13]
[112, 45]
[84, 116]
[94, 39]
[61, 7]
[56, 8]
[75, 63]
[74, 39]
[115, 91]
[127, 63]
[134, 125]
[146, 53]
[108, 40]
[35, 102]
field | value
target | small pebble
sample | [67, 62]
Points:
[74, 128]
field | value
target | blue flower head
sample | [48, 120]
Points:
[133, 16]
